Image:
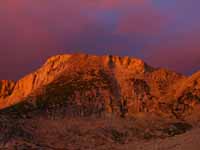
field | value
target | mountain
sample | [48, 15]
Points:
[111, 84]
[118, 96]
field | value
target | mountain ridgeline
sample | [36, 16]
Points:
[88, 85]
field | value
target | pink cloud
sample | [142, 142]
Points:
[33, 30]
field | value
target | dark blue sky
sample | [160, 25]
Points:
[162, 33]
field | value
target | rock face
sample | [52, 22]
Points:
[41, 77]
[85, 85]
[188, 96]
[6, 88]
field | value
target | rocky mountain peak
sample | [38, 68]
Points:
[123, 84]
[126, 62]
[57, 59]
[60, 65]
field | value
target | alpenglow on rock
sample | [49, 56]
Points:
[83, 85]
[6, 88]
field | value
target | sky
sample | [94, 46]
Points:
[162, 33]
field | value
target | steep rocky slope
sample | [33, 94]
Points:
[41, 77]
[6, 88]
[187, 96]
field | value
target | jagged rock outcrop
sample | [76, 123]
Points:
[6, 88]
[41, 77]
[187, 97]
[83, 85]
[57, 66]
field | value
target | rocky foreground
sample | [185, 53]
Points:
[99, 102]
